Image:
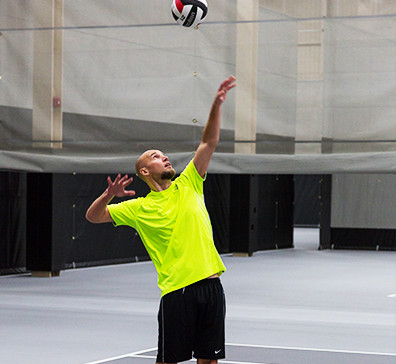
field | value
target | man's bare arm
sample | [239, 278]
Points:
[211, 134]
[98, 211]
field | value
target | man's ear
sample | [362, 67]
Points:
[143, 171]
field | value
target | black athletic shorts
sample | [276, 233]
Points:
[191, 323]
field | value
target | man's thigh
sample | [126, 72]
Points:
[210, 325]
[176, 318]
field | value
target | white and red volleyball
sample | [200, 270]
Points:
[189, 13]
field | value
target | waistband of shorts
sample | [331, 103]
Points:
[205, 282]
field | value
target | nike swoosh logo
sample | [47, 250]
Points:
[217, 351]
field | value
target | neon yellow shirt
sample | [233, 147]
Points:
[175, 228]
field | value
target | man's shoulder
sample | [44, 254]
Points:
[190, 178]
[131, 203]
[191, 171]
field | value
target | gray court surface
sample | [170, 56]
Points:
[253, 354]
[289, 306]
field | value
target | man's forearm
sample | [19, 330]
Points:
[97, 212]
[211, 133]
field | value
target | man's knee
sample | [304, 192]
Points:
[206, 361]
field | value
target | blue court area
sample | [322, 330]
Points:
[292, 306]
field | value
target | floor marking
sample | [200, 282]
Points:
[143, 356]
[194, 360]
[109, 359]
[144, 351]
[312, 349]
[239, 362]
[16, 275]
[122, 356]
[392, 295]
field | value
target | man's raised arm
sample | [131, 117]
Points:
[211, 134]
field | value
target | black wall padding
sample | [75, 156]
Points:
[60, 237]
[363, 239]
[307, 200]
[43, 253]
[12, 222]
[243, 213]
[275, 212]
[93, 244]
[217, 200]
[325, 212]
[261, 215]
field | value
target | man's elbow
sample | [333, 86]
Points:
[92, 218]
[89, 217]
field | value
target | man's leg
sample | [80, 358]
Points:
[175, 328]
[209, 330]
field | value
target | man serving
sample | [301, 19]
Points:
[174, 225]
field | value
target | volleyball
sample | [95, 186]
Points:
[189, 13]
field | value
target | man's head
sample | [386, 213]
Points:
[153, 164]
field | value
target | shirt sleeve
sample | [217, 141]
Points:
[191, 177]
[124, 213]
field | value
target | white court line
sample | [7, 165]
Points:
[143, 351]
[312, 349]
[136, 353]
[392, 295]
[239, 362]
[16, 275]
[143, 356]
[194, 360]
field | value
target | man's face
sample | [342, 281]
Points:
[157, 164]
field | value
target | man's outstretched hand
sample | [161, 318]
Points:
[117, 188]
[226, 85]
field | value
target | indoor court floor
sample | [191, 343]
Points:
[293, 306]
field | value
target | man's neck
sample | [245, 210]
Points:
[160, 185]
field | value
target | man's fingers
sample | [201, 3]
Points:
[127, 182]
[228, 81]
[225, 87]
[117, 179]
[123, 178]
[227, 84]
[120, 183]
[229, 87]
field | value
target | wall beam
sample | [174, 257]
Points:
[47, 73]
[246, 75]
